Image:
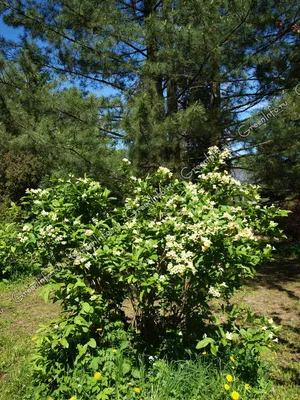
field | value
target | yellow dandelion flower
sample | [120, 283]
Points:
[232, 359]
[137, 390]
[226, 386]
[97, 376]
[34, 338]
[229, 378]
[73, 398]
[247, 386]
[235, 395]
[50, 398]
[270, 346]
[114, 350]
[99, 329]
[204, 353]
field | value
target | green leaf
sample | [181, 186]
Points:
[124, 345]
[214, 349]
[78, 320]
[126, 367]
[92, 343]
[203, 343]
[64, 343]
[86, 307]
[136, 373]
[94, 363]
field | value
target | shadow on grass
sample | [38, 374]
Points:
[277, 274]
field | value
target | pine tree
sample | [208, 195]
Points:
[183, 70]
[274, 147]
[47, 129]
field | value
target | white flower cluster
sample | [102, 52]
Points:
[40, 192]
[245, 233]
[165, 171]
[83, 180]
[126, 161]
[214, 292]
[222, 178]
[22, 238]
[206, 243]
[180, 260]
[80, 260]
[53, 233]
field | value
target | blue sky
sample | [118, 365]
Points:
[8, 32]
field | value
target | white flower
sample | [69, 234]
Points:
[213, 151]
[26, 228]
[206, 244]
[214, 292]
[54, 217]
[245, 233]
[22, 238]
[264, 328]
[165, 171]
[42, 233]
[88, 265]
[228, 216]
[76, 222]
[228, 335]
[66, 220]
[56, 326]
[271, 335]
[88, 232]
[270, 321]
[275, 340]
[126, 161]
[151, 262]
[84, 195]
[204, 335]
[44, 213]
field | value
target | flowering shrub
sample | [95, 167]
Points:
[153, 265]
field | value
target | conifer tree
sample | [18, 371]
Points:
[48, 129]
[274, 147]
[184, 71]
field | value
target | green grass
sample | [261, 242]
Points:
[197, 379]
[18, 324]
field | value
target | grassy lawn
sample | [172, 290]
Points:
[275, 292]
[18, 324]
